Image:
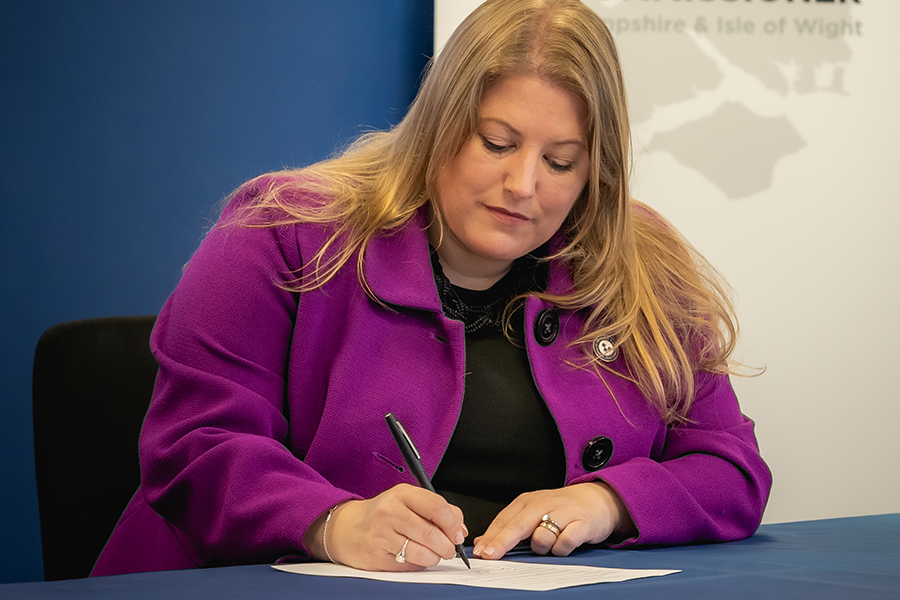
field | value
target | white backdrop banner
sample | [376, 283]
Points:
[766, 131]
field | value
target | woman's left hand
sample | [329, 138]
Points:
[586, 513]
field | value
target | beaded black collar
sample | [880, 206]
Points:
[481, 311]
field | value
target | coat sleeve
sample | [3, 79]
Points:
[709, 484]
[213, 449]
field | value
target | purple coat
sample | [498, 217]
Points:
[269, 408]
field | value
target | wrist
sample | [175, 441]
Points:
[319, 537]
[623, 526]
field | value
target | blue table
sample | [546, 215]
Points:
[855, 558]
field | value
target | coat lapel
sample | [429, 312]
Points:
[398, 267]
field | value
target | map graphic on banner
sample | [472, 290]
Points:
[688, 83]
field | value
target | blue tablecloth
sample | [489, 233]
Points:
[851, 558]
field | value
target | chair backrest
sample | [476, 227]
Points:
[93, 380]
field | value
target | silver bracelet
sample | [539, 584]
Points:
[325, 534]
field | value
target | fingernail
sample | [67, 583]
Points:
[478, 550]
[460, 538]
[489, 552]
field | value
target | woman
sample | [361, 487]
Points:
[553, 347]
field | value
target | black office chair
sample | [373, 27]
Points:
[92, 385]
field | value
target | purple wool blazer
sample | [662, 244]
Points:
[269, 407]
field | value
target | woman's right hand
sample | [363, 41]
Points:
[369, 534]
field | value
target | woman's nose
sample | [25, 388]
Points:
[521, 175]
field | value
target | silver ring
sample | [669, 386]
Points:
[550, 525]
[401, 556]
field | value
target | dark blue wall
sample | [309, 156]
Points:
[122, 126]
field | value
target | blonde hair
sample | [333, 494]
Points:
[634, 277]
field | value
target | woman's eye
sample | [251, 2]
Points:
[492, 146]
[560, 167]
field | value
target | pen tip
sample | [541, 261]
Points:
[464, 558]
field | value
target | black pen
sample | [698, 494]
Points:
[414, 462]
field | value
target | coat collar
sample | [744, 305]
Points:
[397, 266]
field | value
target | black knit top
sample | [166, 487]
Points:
[506, 441]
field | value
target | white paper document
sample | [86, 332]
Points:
[504, 574]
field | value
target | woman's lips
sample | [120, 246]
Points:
[506, 216]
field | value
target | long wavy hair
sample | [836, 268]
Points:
[635, 279]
